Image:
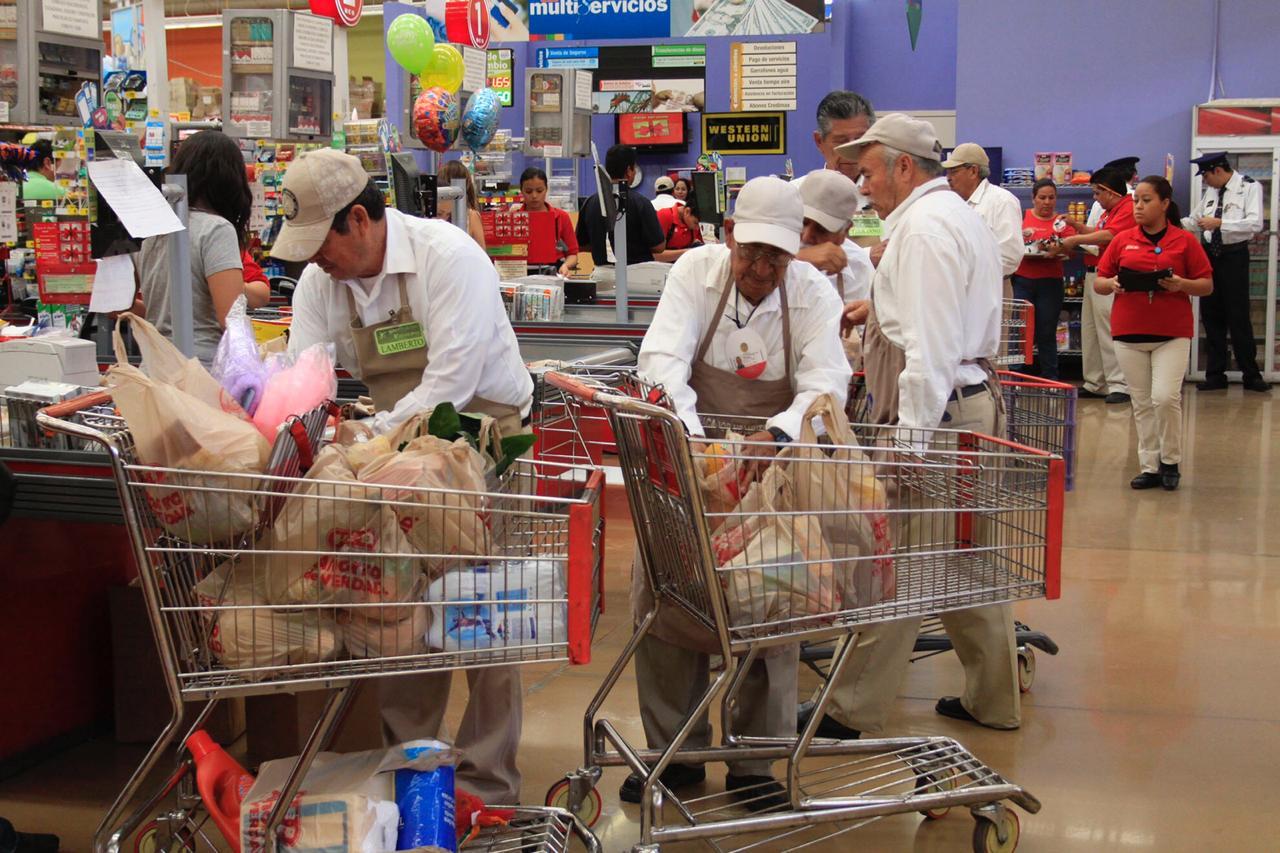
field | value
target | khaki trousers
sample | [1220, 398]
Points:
[983, 637]
[1154, 372]
[1102, 373]
[413, 707]
[670, 680]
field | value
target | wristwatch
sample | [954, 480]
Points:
[778, 435]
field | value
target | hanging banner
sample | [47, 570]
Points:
[512, 20]
[762, 76]
[637, 78]
[501, 67]
[600, 19]
[744, 133]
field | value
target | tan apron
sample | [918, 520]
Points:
[393, 354]
[720, 392]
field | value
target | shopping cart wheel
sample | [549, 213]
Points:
[148, 840]
[936, 783]
[1026, 668]
[588, 810]
[986, 834]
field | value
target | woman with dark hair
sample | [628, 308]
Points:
[1038, 279]
[554, 247]
[456, 170]
[1153, 329]
[681, 190]
[218, 225]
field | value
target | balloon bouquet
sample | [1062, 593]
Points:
[440, 68]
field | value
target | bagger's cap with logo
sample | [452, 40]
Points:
[316, 186]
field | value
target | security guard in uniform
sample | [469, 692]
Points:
[1229, 215]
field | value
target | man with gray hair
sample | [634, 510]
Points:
[968, 170]
[933, 327]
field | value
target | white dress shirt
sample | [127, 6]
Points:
[1241, 211]
[685, 312]
[453, 294]
[937, 296]
[857, 275]
[664, 200]
[1002, 212]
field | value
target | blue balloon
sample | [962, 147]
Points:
[480, 119]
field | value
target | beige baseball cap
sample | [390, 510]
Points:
[967, 154]
[901, 131]
[664, 182]
[769, 211]
[316, 186]
[830, 199]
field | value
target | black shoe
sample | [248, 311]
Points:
[674, 777]
[829, 727]
[1146, 480]
[1257, 384]
[1169, 477]
[1086, 394]
[1215, 384]
[757, 793]
[1116, 397]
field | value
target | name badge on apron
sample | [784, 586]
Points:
[404, 337]
[744, 349]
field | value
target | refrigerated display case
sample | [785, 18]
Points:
[278, 73]
[557, 112]
[1249, 131]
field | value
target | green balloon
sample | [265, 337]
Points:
[410, 40]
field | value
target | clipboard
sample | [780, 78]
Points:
[1143, 282]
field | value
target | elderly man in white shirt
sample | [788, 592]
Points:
[830, 202]
[412, 308]
[934, 325]
[741, 329]
[968, 172]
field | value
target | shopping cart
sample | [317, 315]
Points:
[539, 536]
[960, 539]
[1042, 413]
[1017, 332]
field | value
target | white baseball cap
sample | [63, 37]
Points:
[967, 154]
[664, 182]
[769, 211]
[830, 199]
[316, 186]
[898, 130]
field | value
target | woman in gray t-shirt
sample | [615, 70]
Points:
[218, 226]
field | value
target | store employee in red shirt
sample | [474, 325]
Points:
[1153, 330]
[682, 229]
[1038, 279]
[554, 247]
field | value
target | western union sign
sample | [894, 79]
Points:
[744, 133]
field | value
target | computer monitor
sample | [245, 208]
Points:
[107, 235]
[404, 181]
[708, 192]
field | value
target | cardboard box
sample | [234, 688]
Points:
[208, 103]
[1062, 167]
[1044, 165]
[141, 703]
[277, 725]
[183, 92]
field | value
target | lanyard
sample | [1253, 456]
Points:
[737, 310]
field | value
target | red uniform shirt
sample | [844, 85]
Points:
[1041, 230]
[1164, 313]
[1117, 219]
[679, 235]
[544, 236]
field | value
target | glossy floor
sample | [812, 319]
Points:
[1157, 728]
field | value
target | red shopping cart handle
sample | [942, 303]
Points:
[572, 386]
[79, 404]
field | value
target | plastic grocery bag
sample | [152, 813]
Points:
[838, 485]
[237, 365]
[368, 633]
[720, 475]
[296, 389]
[247, 634]
[438, 488]
[336, 541]
[774, 567]
[348, 802]
[164, 362]
[505, 605]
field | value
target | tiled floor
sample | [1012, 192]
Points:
[1157, 728]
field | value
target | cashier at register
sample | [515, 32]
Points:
[644, 234]
[413, 308]
[741, 329]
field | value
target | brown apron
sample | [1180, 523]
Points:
[720, 392]
[393, 354]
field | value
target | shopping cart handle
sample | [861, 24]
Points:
[79, 404]
[572, 386]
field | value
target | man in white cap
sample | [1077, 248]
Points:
[934, 325]
[740, 330]
[413, 309]
[664, 193]
[830, 202]
[968, 172]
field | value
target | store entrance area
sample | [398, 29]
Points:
[1156, 728]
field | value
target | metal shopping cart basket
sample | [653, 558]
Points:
[1042, 413]
[537, 536]
[960, 539]
[1017, 332]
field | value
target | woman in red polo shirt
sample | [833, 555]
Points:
[1153, 330]
[554, 247]
[1038, 279]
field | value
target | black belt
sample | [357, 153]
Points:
[1225, 249]
[967, 392]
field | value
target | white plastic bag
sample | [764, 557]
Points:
[370, 634]
[509, 604]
